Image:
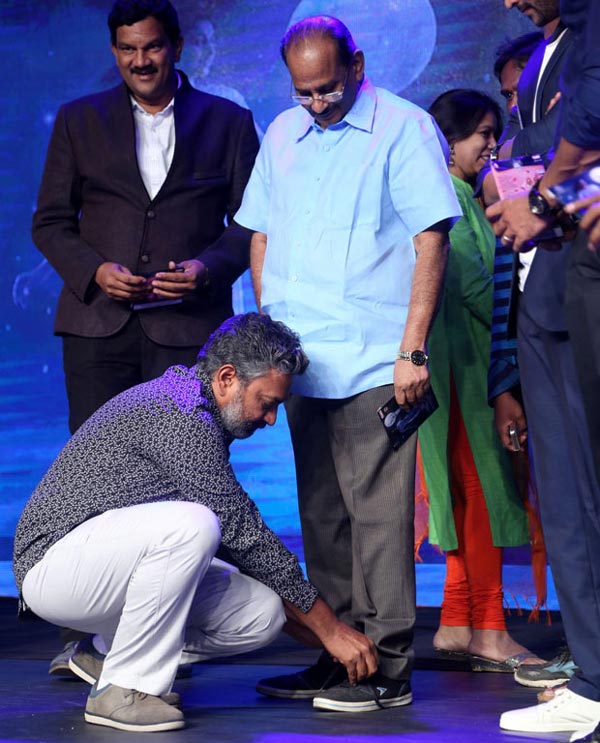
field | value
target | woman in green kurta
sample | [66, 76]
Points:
[475, 509]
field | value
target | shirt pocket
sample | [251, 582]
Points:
[356, 197]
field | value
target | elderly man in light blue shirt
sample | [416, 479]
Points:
[350, 203]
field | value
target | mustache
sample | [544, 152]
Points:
[143, 70]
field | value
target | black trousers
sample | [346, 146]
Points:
[97, 369]
[583, 315]
[569, 493]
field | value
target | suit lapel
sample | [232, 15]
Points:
[554, 61]
[528, 83]
[186, 112]
[122, 127]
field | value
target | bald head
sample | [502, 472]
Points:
[319, 28]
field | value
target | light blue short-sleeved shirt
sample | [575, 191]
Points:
[340, 208]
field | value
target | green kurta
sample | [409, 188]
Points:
[460, 343]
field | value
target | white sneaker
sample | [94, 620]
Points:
[566, 712]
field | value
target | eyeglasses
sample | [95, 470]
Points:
[333, 97]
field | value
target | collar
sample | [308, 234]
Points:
[557, 33]
[209, 396]
[360, 116]
[207, 389]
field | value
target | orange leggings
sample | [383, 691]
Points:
[473, 589]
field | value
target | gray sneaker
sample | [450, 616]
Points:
[553, 673]
[86, 662]
[59, 665]
[131, 710]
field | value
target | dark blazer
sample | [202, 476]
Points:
[544, 290]
[538, 137]
[93, 207]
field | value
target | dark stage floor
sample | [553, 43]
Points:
[452, 705]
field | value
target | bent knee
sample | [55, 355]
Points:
[191, 524]
[270, 618]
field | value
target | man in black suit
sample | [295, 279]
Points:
[140, 179]
[537, 293]
[569, 491]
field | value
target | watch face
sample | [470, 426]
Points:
[538, 204]
[418, 358]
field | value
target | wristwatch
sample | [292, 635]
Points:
[418, 358]
[539, 204]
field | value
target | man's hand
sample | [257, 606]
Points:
[514, 224]
[553, 102]
[590, 222]
[354, 650]
[349, 647]
[411, 382]
[489, 190]
[118, 283]
[508, 413]
[176, 284]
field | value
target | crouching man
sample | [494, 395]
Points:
[118, 540]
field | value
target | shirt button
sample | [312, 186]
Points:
[145, 258]
[327, 148]
[294, 277]
[151, 214]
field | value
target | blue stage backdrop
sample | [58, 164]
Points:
[57, 50]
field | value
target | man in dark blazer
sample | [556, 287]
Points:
[142, 179]
[569, 491]
[532, 124]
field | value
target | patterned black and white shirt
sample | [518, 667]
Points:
[162, 440]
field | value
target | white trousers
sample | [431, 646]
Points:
[144, 580]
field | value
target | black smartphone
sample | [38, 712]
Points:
[152, 300]
[149, 275]
[399, 423]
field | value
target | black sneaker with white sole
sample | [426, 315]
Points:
[376, 692]
[324, 674]
[553, 673]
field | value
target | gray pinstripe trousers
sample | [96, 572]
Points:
[356, 503]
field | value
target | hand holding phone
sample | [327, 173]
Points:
[399, 423]
[153, 298]
[513, 435]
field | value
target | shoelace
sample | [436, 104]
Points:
[134, 692]
[558, 700]
[371, 686]
[329, 677]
